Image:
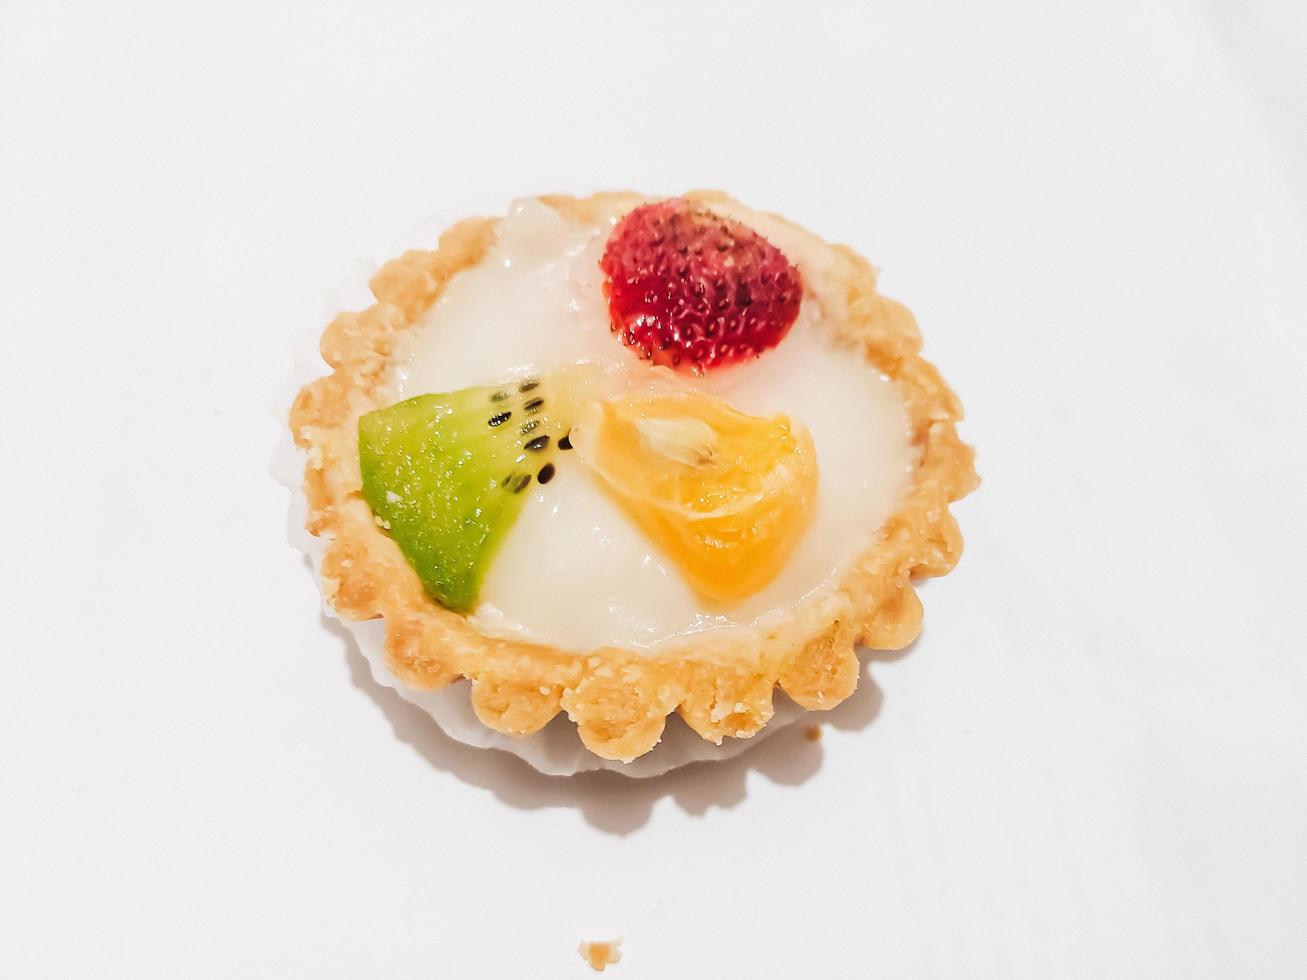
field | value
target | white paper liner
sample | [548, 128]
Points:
[557, 749]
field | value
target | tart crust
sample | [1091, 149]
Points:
[721, 682]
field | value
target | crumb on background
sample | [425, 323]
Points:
[601, 954]
[812, 733]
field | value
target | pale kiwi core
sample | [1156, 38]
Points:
[575, 572]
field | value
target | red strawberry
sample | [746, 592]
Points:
[689, 287]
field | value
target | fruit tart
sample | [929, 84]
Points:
[622, 457]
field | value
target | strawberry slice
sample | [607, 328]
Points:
[690, 288]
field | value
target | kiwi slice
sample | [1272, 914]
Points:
[448, 474]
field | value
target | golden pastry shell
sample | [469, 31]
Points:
[720, 682]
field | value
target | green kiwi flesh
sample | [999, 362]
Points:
[448, 475]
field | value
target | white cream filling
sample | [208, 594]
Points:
[575, 572]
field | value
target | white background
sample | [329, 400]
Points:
[1090, 765]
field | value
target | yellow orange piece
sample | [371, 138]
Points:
[727, 495]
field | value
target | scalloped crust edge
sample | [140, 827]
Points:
[619, 699]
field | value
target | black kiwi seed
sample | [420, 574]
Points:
[538, 443]
[499, 396]
[534, 405]
[530, 384]
[517, 482]
[499, 419]
[530, 426]
[566, 441]
[546, 473]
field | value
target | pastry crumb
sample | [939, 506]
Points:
[812, 733]
[601, 954]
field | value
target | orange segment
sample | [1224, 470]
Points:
[727, 495]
